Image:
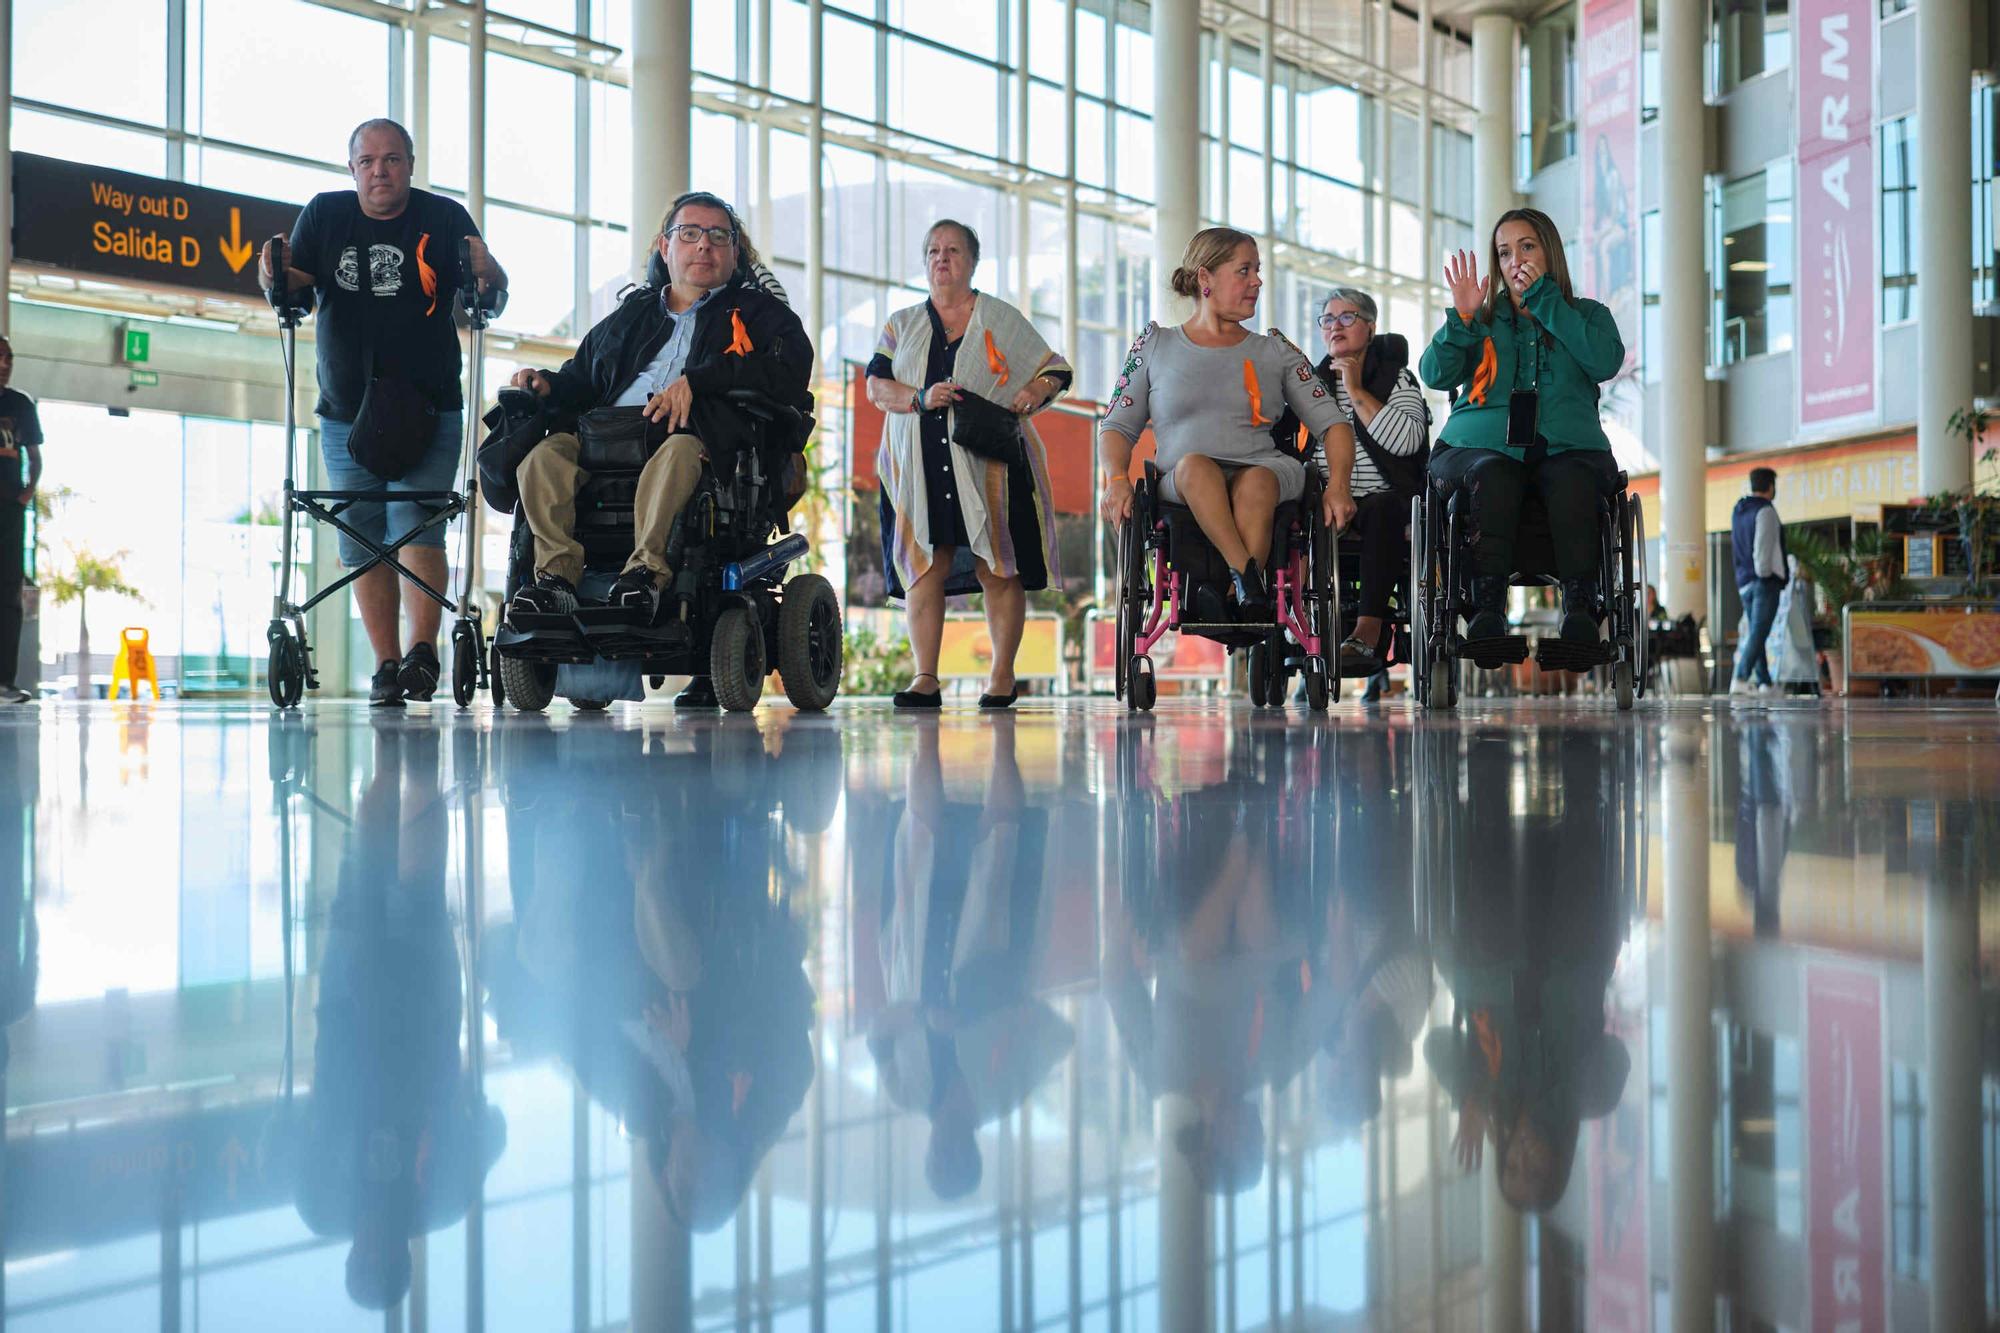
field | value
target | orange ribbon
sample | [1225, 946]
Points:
[739, 337]
[426, 274]
[995, 361]
[1489, 1042]
[1250, 386]
[1487, 371]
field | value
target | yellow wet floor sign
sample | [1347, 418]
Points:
[135, 663]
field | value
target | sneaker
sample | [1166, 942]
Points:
[14, 694]
[418, 674]
[700, 693]
[1741, 685]
[386, 689]
[636, 591]
[548, 595]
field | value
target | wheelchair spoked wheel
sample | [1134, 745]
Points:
[285, 673]
[465, 652]
[1132, 598]
[809, 642]
[1636, 579]
[736, 661]
[531, 685]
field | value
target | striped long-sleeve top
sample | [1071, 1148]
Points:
[1400, 428]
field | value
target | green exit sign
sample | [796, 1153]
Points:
[138, 345]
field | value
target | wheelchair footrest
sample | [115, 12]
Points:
[613, 633]
[551, 639]
[1567, 655]
[1502, 650]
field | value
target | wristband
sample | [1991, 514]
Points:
[916, 402]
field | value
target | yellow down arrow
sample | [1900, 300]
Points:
[236, 250]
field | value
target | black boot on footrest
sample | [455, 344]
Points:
[1489, 608]
[1580, 612]
[548, 595]
[637, 594]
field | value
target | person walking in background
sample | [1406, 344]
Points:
[1757, 541]
[20, 472]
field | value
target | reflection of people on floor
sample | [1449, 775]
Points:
[1528, 960]
[1206, 971]
[1765, 814]
[397, 1138]
[648, 955]
[963, 1039]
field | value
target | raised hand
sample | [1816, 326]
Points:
[1461, 275]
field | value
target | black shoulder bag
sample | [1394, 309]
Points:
[983, 427]
[397, 420]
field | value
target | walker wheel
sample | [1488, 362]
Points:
[465, 650]
[285, 673]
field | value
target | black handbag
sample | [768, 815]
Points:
[516, 424]
[983, 427]
[394, 428]
[617, 438]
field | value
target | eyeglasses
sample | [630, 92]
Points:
[688, 233]
[1342, 320]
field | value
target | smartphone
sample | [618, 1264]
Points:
[1521, 411]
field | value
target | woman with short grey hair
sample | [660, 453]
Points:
[1369, 375]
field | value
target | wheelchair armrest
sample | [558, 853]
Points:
[764, 407]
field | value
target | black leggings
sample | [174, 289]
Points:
[1569, 484]
[1380, 520]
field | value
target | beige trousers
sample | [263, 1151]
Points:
[550, 476]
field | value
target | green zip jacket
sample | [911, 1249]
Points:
[1583, 350]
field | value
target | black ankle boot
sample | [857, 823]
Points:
[1489, 608]
[1246, 587]
[1580, 611]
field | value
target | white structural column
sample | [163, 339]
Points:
[1176, 141]
[1503, 1300]
[1944, 241]
[1187, 1232]
[1951, 1053]
[1493, 134]
[1690, 1033]
[7, 173]
[420, 104]
[662, 115]
[1683, 352]
[475, 117]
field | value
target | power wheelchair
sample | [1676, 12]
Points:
[730, 550]
[1170, 577]
[1441, 592]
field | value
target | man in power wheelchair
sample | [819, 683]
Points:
[1228, 500]
[669, 456]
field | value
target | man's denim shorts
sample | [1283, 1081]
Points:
[384, 521]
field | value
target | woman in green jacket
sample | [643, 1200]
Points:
[1522, 355]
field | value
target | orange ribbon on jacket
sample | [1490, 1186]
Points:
[1250, 386]
[996, 361]
[1484, 375]
[1489, 1042]
[739, 337]
[426, 274]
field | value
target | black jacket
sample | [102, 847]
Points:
[778, 361]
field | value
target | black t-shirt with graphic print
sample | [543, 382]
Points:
[386, 283]
[20, 430]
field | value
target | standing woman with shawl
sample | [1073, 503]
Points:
[954, 521]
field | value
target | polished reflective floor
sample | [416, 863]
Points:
[1535, 1017]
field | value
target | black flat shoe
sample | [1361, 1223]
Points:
[919, 698]
[1001, 700]
[1358, 658]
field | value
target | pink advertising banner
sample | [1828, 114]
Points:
[1846, 1119]
[1835, 193]
[1610, 72]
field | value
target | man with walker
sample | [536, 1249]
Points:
[382, 263]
